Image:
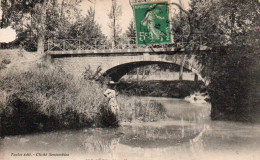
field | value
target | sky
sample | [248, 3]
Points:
[6, 34]
[103, 7]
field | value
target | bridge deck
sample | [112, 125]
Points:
[97, 51]
[113, 51]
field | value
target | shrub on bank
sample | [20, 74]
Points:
[47, 98]
[106, 118]
[174, 89]
[134, 109]
[235, 84]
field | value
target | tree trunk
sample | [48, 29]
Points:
[184, 56]
[181, 67]
[196, 78]
[40, 45]
[42, 28]
[181, 73]
[137, 77]
[143, 75]
[114, 25]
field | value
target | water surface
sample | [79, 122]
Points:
[188, 133]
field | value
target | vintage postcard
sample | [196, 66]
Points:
[129, 80]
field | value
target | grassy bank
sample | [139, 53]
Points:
[41, 97]
[46, 98]
[133, 109]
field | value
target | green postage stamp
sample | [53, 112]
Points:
[152, 23]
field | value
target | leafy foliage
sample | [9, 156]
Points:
[131, 30]
[231, 28]
[86, 29]
[38, 21]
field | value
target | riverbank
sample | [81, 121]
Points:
[45, 98]
[171, 89]
[37, 96]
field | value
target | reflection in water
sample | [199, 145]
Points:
[153, 137]
[187, 134]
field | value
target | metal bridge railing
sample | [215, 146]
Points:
[180, 41]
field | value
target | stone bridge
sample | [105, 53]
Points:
[75, 56]
[116, 65]
[115, 61]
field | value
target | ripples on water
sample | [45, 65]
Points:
[188, 133]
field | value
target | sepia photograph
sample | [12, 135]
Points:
[130, 80]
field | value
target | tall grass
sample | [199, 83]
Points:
[133, 109]
[47, 98]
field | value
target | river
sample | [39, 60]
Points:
[188, 133]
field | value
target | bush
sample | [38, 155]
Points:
[234, 84]
[135, 109]
[106, 117]
[175, 89]
[46, 98]
[3, 63]
[95, 75]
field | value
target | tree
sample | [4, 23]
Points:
[87, 30]
[131, 30]
[114, 16]
[130, 33]
[38, 19]
[231, 28]
[15, 12]
[181, 29]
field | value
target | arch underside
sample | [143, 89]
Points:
[117, 72]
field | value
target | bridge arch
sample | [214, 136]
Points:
[118, 71]
[118, 64]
